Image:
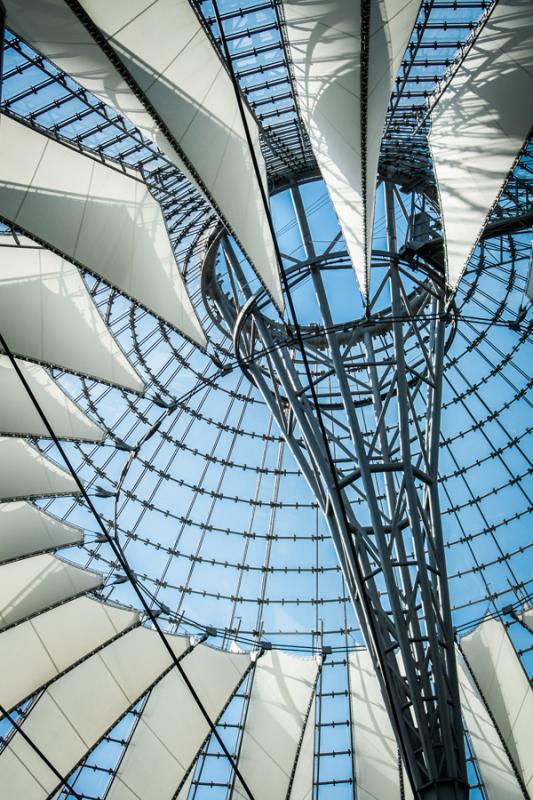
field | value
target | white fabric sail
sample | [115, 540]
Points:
[61, 325]
[325, 44]
[506, 689]
[18, 415]
[104, 219]
[26, 530]
[37, 651]
[35, 584]
[499, 779]
[173, 64]
[173, 747]
[75, 711]
[27, 473]
[274, 726]
[375, 748]
[479, 125]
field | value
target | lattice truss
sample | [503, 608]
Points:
[196, 479]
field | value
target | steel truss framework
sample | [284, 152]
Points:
[389, 367]
[46, 98]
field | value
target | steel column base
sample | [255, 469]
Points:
[447, 790]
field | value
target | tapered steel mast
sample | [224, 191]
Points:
[369, 450]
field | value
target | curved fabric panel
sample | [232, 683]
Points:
[75, 711]
[98, 215]
[172, 728]
[61, 325]
[282, 687]
[35, 652]
[375, 748]
[302, 785]
[35, 584]
[27, 473]
[499, 780]
[325, 39]
[18, 415]
[167, 53]
[506, 689]
[480, 124]
[26, 530]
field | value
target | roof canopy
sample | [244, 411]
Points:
[155, 63]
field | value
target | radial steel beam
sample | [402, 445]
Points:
[376, 480]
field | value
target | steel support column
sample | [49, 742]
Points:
[376, 480]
